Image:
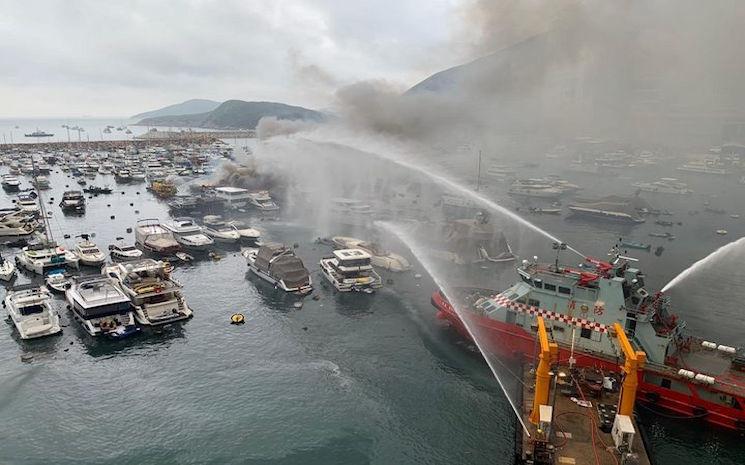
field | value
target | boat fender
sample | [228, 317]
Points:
[237, 319]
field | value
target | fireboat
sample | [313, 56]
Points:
[684, 374]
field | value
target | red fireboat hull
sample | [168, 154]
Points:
[513, 342]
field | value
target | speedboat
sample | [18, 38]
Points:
[151, 236]
[278, 264]
[73, 202]
[10, 183]
[7, 269]
[88, 252]
[32, 314]
[249, 236]
[41, 257]
[157, 299]
[101, 307]
[57, 281]
[16, 223]
[379, 256]
[351, 270]
[122, 251]
[188, 234]
[221, 231]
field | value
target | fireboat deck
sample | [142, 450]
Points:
[576, 436]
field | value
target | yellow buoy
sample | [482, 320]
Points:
[237, 319]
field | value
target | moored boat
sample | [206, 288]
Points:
[31, 312]
[279, 265]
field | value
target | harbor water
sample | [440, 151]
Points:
[345, 379]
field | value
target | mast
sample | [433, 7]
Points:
[42, 209]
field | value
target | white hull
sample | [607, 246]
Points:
[7, 271]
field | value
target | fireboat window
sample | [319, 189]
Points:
[564, 290]
[534, 303]
[549, 287]
[586, 333]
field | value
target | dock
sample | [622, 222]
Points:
[575, 436]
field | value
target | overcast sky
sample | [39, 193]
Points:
[101, 58]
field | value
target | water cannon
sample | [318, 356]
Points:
[558, 247]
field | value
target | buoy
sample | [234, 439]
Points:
[131, 204]
[112, 217]
[137, 212]
[316, 297]
[138, 192]
[108, 204]
[66, 236]
[129, 230]
[237, 319]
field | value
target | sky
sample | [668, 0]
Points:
[94, 58]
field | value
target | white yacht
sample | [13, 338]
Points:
[101, 306]
[234, 197]
[88, 252]
[262, 201]
[664, 186]
[45, 256]
[7, 269]
[28, 203]
[249, 236]
[16, 224]
[188, 234]
[220, 231]
[157, 298]
[32, 314]
[41, 182]
[152, 236]
[379, 256]
[351, 270]
[279, 265]
[122, 251]
[57, 281]
[10, 183]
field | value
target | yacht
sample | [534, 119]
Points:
[122, 251]
[157, 298]
[123, 176]
[57, 281]
[234, 197]
[7, 269]
[664, 186]
[188, 234]
[378, 256]
[150, 235]
[248, 235]
[31, 312]
[704, 166]
[15, 223]
[351, 270]
[10, 183]
[278, 264]
[88, 252]
[220, 231]
[28, 203]
[41, 182]
[101, 306]
[262, 201]
[72, 202]
[537, 188]
[42, 257]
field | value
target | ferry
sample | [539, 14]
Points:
[684, 374]
[351, 270]
[156, 298]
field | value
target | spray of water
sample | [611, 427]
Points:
[421, 256]
[704, 262]
[458, 188]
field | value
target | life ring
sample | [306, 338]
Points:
[237, 319]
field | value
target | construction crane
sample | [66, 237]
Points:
[634, 361]
[549, 352]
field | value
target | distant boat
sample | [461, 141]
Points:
[634, 245]
[38, 133]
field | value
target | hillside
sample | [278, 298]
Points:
[235, 114]
[188, 107]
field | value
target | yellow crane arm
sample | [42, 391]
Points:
[549, 351]
[634, 361]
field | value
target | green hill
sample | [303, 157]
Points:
[235, 114]
[189, 107]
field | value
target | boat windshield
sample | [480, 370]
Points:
[127, 248]
[31, 309]
[91, 250]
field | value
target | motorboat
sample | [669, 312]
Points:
[234, 197]
[31, 311]
[157, 299]
[380, 257]
[278, 264]
[28, 202]
[351, 270]
[57, 281]
[72, 202]
[16, 223]
[43, 256]
[92, 189]
[262, 201]
[41, 182]
[122, 251]
[10, 183]
[634, 244]
[88, 252]
[220, 231]
[248, 235]
[101, 307]
[7, 269]
[137, 176]
[123, 176]
[664, 186]
[151, 236]
[188, 234]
